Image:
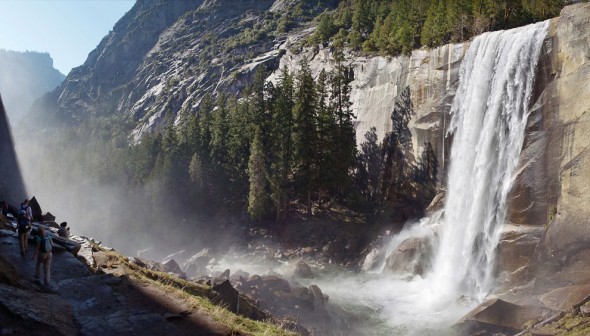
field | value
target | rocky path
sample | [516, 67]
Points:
[80, 302]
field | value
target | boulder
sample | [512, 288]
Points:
[304, 296]
[237, 303]
[171, 266]
[239, 275]
[412, 256]
[48, 217]
[303, 270]
[196, 265]
[564, 298]
[497, 316]
[36, 209]
[373, 259]
[319, 299]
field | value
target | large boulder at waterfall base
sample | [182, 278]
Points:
[497, 316]
[303, 270]
[411, 256]
[276, 295]
[36, 209]
[237, 303]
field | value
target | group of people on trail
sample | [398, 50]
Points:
[43, 241]
[44, 244]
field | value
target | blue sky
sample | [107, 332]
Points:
[67, 29]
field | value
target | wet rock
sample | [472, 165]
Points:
[239, 275]
[236, 302]
[515, 253]
[319, 299]
[412, 256]
[564, 298]
[373, 259]
[196, 265]
[303, 295]
[303, 270]
[499, 317]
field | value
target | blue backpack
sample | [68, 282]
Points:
[46, 245]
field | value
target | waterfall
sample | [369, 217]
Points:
[12, 188]
[489, 116]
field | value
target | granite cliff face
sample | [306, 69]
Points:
[431, 75]
[165, 56]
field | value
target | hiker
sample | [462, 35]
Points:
[25, 206]
[43, 251]
[64, 231]
[23, 227]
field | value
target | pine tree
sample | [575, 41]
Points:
[428, 169]
[345, 137]
[397, 153]
[240, 136]
[369, 165]
[282, 144]
[326, 140]
[258, 200]
[305, 137]
[325, 28]
[219, 131]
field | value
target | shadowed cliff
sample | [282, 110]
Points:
[12, 187]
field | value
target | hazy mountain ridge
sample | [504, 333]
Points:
[24, 77]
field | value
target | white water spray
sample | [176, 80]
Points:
[489, 119]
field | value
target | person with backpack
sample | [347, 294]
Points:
[43, 251]
[25, 206]
[23, 227]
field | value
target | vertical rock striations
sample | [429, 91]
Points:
[568, 105]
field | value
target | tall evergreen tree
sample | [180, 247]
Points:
[282, 144]
[305, 137]
[397, 153]
[345, 137]
[326, 141]
[258, 199]
[369, 165]
[427, 171]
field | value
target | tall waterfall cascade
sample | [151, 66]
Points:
[489, 117]
[457, 267]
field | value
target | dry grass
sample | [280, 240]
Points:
[197, 297]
